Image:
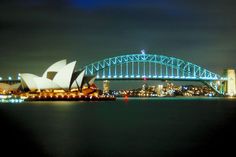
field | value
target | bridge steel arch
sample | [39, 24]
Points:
[151, 66]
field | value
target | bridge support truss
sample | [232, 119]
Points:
[152, 66]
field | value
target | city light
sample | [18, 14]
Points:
[135, 66]
[18, 78]
[140, 66]
[143, 52]
[169, 90]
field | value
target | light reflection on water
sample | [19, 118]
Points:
[139, 127]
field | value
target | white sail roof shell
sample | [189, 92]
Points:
[92, 80]
[74, 85]
[63, 76]
[79, 79]
[28, 79]
[55, 67]
[44, 83]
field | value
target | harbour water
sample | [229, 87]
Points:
[125, 127]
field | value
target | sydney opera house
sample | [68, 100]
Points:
[59, 76]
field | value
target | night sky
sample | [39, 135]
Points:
[36, 33]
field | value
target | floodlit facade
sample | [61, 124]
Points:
[53, 69]
[6, 88]
[63, 78]
[231, 83]
[106, 86]
[27, 81]
[59, 76]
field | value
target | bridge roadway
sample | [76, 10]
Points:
[153, 78]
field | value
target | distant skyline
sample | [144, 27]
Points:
[36, 33]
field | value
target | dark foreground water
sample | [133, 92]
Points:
[137, 127]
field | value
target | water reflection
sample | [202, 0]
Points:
[140, 127]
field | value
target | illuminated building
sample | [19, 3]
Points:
[145, 87]
[159, 89]
[231, 84]
[6, 88]
[59, 76]
[106, 86]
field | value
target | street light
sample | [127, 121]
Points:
[18, 78]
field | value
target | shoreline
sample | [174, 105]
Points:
[108, 98]
[73, 99]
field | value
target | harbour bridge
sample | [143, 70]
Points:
[153, 67]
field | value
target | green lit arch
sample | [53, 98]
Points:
[184, 69]
[137, 66]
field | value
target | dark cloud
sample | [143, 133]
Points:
[35, 33]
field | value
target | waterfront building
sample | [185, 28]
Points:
[159, 89]
[7, 88]
[106, 86]
[231, 83]
[145, 87]
[59, 76]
